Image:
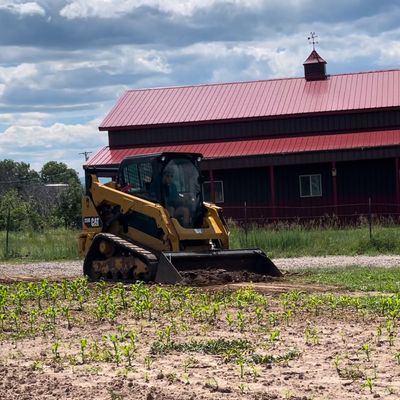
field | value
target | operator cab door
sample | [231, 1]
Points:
[181, 191]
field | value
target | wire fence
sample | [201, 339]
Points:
[327, 214]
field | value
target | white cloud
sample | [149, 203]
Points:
[60, 142]
[25, 119]
[22, 9]
[116, 8]
[21, 72]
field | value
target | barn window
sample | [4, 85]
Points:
[219, 191]
[310, 185]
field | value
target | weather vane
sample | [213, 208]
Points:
[311, 39]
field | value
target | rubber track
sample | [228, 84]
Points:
[146, 256]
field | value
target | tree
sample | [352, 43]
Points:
[58, 172]
[16, 175]
[31, 203]
[16, 171]
[69, 207]
[22, 213]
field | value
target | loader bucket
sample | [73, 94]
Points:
[251, 260]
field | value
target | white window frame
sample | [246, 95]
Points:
[311, 194]
[218, 199]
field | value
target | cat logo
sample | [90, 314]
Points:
[91, 222]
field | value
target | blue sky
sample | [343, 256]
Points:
[64, 63]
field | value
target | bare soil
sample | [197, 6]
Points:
[330, 363]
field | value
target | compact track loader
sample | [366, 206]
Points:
[149, 223]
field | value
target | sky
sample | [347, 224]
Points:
[64, 63]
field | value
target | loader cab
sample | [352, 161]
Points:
[170, 179]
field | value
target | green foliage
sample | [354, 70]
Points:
[16, 172]
[22, 213]
[69, 208]
[31, 204]
[231, 349]
[58, 172]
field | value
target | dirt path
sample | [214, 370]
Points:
[72, 269]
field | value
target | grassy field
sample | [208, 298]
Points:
[61, 244]
[54, 244]
[296, 241]
[353, 278]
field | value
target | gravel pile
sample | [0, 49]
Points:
[40, 270]
[293, 264]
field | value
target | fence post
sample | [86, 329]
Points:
[370, 218]
[245, 220]
[7, 231]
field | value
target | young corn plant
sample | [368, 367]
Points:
[311, 335]
[366, 348]
[229, 319]
[369, 383]
[241, 363]
[66, 312]
[2, 319]
[390, 331]
[241, 319]
[32, 319]
[148, 361]
[128, 350]
[84, 344]
[378, 334]
[55, 350]
[259, 315]
[337, 361]
[274, 336]
[114, 340]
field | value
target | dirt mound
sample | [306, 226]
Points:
[209, 277]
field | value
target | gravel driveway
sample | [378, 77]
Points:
[73, 269]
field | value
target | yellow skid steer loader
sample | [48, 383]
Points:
[150, 223]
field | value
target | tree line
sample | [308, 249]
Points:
[31, 200]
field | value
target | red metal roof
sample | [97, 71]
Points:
[255, 99]
[346, 141]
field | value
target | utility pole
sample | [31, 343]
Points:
[86, 154]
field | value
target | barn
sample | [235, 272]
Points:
[301, 147]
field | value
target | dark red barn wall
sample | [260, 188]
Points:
[356, 183]
[245, 185]
[359, 181]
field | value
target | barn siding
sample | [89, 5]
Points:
[288, 188]
[244, 185]
[357, 182]
[360, 180]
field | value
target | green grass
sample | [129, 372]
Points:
[54, 244]
[354, 278]
[298, 241]
[287, 241]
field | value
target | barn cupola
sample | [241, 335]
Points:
[315, 65]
